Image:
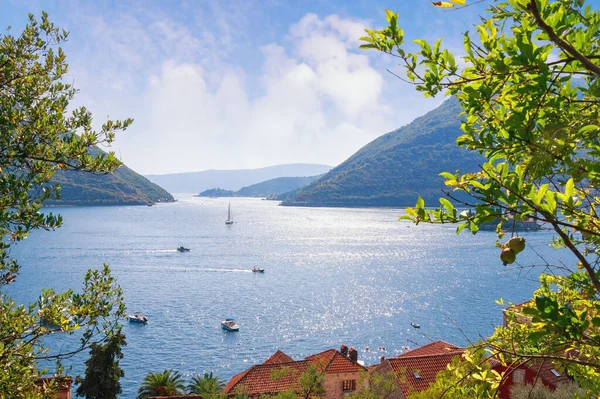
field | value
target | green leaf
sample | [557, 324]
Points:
[420, 203]
[461, 227]
[536, 336]
[447, 205]
[569, 188]
[589, 129]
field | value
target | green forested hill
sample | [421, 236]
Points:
[264, 189]
[278, 185]
[217, 192]
[122, 187]
[394, 169]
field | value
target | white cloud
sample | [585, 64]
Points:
[319, 102]
[314, 98]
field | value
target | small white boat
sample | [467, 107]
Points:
[229, 217]
[415, 325]
[230, 325]
[138, 318]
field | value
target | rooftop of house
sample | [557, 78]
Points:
[332, 361]
[415, 373]
[550, 373]
[281, 373]
[417, 369]
[435, 347]
[178, 397]
[63, 384]
[278, 357]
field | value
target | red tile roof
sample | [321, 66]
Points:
[234, 380]
[267, 378]
[278, 357]
[281, 373]
[544, 369]
[434, 348]
[178, 397]
[427, 366]
[332, 361]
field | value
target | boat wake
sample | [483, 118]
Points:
[144, 269]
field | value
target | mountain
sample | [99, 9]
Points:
[278, 185]
[394, 169]
[269, 188]
[194, 182]
[122, 187]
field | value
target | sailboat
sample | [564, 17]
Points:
[229, 217]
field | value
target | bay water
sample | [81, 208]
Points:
[332, 276]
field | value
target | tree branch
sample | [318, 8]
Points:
[565, 46]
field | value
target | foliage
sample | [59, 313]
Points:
[311, 382]
[167, 383]
[103, 371]
[284, 395]
[474, 374]
[37, 138]
[396, 167]
[529, 93]
[207, 385]
[375, 385]
[565, 390]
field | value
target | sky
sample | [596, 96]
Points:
[240, 84]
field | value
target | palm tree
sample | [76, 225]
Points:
[207, 386]
[167, 383]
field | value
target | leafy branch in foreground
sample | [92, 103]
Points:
[529, 84]
[37, 138]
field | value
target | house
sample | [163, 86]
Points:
[416, 370]
[281, 373]
[60, 386]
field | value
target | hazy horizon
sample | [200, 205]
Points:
[235, 170]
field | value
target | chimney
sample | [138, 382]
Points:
[353, 354]
[344, 350]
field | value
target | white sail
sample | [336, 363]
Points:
[229, 218]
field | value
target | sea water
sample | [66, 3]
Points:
[332, 276]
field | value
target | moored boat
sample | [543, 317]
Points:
[230, 325]
[137, 317]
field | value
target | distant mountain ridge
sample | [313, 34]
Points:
[195, 182]
[394, 169]
[266, 189]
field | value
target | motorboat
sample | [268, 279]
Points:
[229, 217]
[257, 270]
[138, 318]
[415, 325]
[183, 249]
[230, 325]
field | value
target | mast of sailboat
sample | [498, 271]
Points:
[229, 212]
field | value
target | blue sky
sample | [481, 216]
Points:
[240, 84]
